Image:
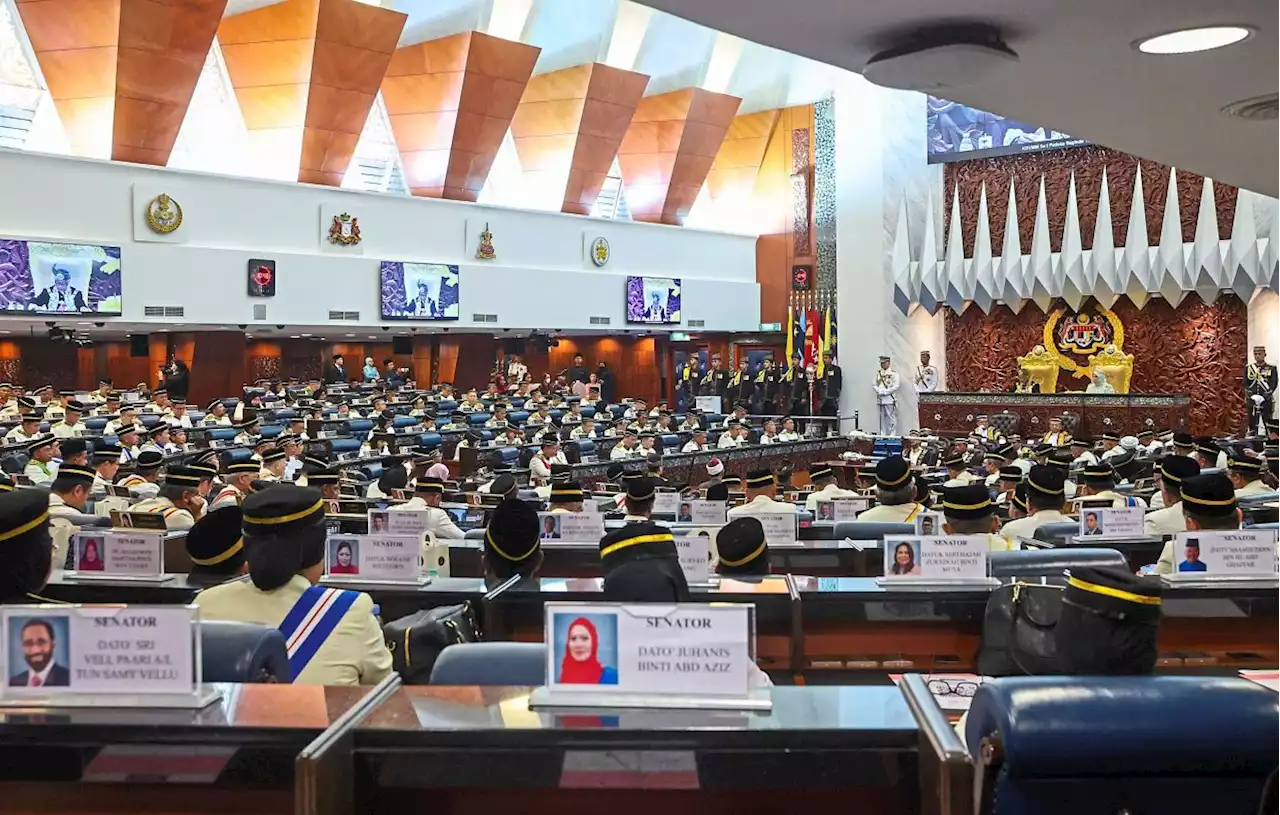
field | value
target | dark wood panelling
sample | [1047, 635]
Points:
[772, 204]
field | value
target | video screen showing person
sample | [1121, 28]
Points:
[41, 648]
[957, 132]
[419, 291]
[653, 300]
[59, 278]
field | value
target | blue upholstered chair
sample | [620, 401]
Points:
[223, 433]
[478, 419]
[670, 441]
[345, 445]
[508, 456]
[589, 411]
[284, 414]
[1140, 744]
[1057, 534]
[491, 663]
[359, 427]
[446, 406]
[1052, 562]
[430, 440]
[270, 431]
[242, 652]
[518, 417]
[149, 420]
[404, 421]
[238, 454]
[94, 425]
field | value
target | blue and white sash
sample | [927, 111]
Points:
[310, 622]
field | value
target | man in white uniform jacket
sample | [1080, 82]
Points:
[332, 635]
[427, 495]
[761, 488]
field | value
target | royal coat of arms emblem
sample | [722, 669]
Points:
[164, 214]
[600, 251]
[345, 230]
[485, 250]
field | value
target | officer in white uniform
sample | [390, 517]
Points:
[284, 539]
[1046, 496]
[761, 487]
[427, 495]
[887, 383]
[824, 478]
[179, 499]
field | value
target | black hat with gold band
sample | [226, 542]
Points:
[41, 441]
[1108, 437]
[1046, 481]
[760, 479]
[273, 455]
[1011, 473]
[892, 472]
[282, 510]
[638, 487]
[995, 455]
[31, 417]
[1100, 473]
[636, 541]
[25, 543]
[207, 468]
[1177, 469]
[954, 461]
[568, 492]
[149, 460]
[1109, 622]
[1211, 495]
[6, 483]
[742, 548]
[248, 466]
[325, 476]
[1019, 499]
[284, 533]
[105, 452]
[183, 477]
[512, 535]
[427, 485]
[821, 471]
[75, 475]
[216, 543]
[1207, 446]
[1246, 464]
[969, 502]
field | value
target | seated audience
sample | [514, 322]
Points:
[238, 478]
[215, 545]
[41, 468]
[640, 561]
[1245, 473]
[743, 551]
[178, 499]
[284, 543]
[511, 543]
[427, 495]
[968, 510]
[1174, 470]
[27, 545]
[1046, 499]
[824, 482]
[1208, 502]
[566, 497]
[1099, 481]
[762, 488]
[895, 493]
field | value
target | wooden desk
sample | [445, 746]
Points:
[951, 414]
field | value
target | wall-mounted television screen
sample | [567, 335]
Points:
[419, 291]
[653, 300]
[958, 132]
[59, 278]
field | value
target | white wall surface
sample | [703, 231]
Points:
[542, 276]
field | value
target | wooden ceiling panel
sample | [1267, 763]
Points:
[360, 25]
[177, 28]
[81, 73]
[547, 118]
[144, 124]
[337, 109]
[88, 125]
[344, 66]
[63, 25]
[569, 83]
[268, 64]
[616, 86]
[732, 178]
[157, 77]
[327, 152]
[274, 107]
[477, 80]
[290, 20]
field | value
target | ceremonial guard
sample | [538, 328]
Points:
[926, 375]
[829, 385]
[740, 387]
[886, 385]
[1260, 387]
[687, 381]
[764, 388]
[793, 388]
[716, 382]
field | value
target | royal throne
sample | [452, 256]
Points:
[1117, 365]
[1042, 368]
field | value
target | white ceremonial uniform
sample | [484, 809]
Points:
[1254, 487]
[174, 517]
[354, 653]
[1087, 458]
[887, 383]
[438, 521]
[692, 446]
[728, 441]
[1118, 500]
[827, 493]
[62, 430]
[217, 421]
[1026, 527]
[926, 378]
[788, 436]
[16, 436]
[228, 496]
[893, 513]
[762, 505]
[1167, 521]
[621, 451]
[767, 439]
[139, 487]
[41, 473]
[185, 421]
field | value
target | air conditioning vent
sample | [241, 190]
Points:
[697, 323]
[1256, 109]
[484, 318]
[260, 312]
[164, 311]
[600, 320]
[347, 316]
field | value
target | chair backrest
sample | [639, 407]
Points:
[404, 421]
[1068, 745]
[359, 427]
[1057, 534]
[870, 530]
[347, 445]
[478, 419]
[242, 652]
[96, 424]
[446, 406]
[430, 440]
[491, 663]
[1259, 498]
[1051, 562]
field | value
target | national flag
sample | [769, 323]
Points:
[812, 334]
[791, 334]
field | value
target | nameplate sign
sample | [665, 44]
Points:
[1206, 555]
[666, 503]
[942, 558]
[779, 527]
[56, 651]
[695, 558]
[841, 509]
[702, 513]
[380, 558]
[412, 522]
[1111, 522]
[137, 553]
[138, 520]
[654, 651]
[707, 404]
[571, 526]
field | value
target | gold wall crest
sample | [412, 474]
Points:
[600, 251]
[345, 230]
[485, 250]
[1093, 338]
[164, 215]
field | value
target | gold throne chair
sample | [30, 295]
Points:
[1117, 365]
[1042, 367]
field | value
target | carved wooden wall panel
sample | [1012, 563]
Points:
[1196, 349]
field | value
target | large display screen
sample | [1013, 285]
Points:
[419, 291]
[59, 278]
[653, 300]
[958, 133]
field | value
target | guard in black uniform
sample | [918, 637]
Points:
[640, 561]
[796, 391]
[716, 382]
[829, 386]
[764, 383]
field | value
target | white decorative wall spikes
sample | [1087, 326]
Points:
[1243, 264]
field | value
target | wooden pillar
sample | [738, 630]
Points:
[10, 362]
[157, 356]
[420, 365]
[86, 368]
[218, 363]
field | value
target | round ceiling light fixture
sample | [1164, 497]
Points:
[1191, 40]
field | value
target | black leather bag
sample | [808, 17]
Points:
[1018, 631]
[416, 640]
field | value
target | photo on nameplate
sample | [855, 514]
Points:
[684, 514]
[379, 522]
[929, 523]
[826, 511]
[1244, 553]
[39, 651]
[344, 556]
[550, 526]
[903, 558]
[584, 648]
[949, 559]
[1092, 522]
[91, 554]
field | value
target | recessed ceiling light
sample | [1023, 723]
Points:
[306, 335]
[351, 335]
[1190, 40]
[296, 337]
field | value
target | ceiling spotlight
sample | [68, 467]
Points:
[1190, 40]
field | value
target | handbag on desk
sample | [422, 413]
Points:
[416, 640]
[1018, 631]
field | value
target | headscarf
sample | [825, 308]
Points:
[582, 672]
